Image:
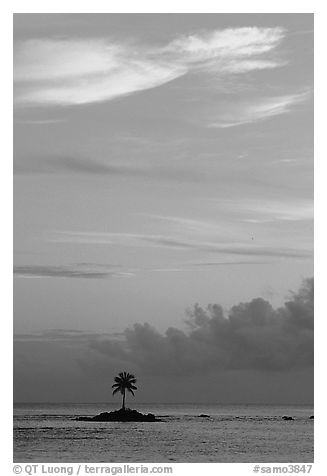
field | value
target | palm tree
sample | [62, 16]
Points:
[124, 381]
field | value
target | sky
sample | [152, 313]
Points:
[163, 206]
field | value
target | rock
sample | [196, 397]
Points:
[204, 416]
[312, 417]
[287, 418]
[121, 415]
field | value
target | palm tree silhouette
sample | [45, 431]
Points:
[124, 381]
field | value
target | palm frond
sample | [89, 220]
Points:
[124, 381]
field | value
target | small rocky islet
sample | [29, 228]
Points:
[124, 414]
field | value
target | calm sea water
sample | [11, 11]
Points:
[251, 433]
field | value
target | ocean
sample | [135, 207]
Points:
[233, 433]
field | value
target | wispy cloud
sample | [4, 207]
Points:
[258, 109]
[74, 71]
[60, 164]
[233, 50]
[265, 211]
[178, 243]
[65, 335]
[39, 121]
[104, 271]
[68, 271]
[69, 72]
[191, 225]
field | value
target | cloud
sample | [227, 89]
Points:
[102, 271]
[226, 263]
[257, 109]
[253, 336]
[60, 164]
[177, 242]
[189, 224]
[265, 211]
[230, 50]
[76, 271]
[40, 122]
[74, 71]
[71, 72]
[65, 335]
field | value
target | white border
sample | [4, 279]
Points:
[162, 6]
[168, 6]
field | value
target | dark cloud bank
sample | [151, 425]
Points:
[253, 336]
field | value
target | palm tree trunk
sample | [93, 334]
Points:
[124, 400]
